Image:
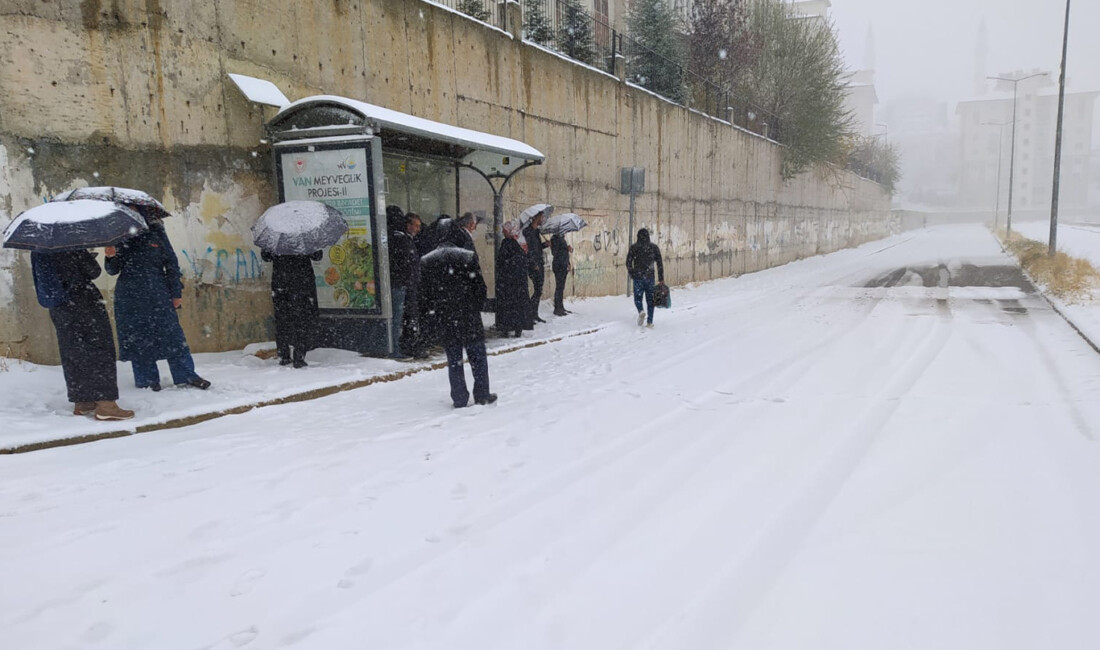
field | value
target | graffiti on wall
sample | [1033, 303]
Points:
[609, 240]
[222, 266]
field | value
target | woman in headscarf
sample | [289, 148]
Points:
[148, 293]
[513, 304]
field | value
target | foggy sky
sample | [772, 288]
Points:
[928, 47]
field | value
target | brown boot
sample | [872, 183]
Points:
[109, 410]
[84, 408]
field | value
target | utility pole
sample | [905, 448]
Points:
[1000, 164]
[1015, 81]
[1058, 141]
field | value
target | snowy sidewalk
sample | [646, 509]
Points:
[36, 413]
[893, 446]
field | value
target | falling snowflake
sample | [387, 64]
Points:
[722, 54]
[95, 174]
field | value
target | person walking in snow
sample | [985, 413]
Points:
[536, 263]
[148, 293]
[63, 284]
[641, 257]
[452, 292]
[294, 298]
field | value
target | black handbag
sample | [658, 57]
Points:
[662, 297]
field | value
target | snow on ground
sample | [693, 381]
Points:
[860, 450]
[37, 409]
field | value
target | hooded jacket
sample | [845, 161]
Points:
[642, 256]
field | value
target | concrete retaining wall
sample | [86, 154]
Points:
[134, 93]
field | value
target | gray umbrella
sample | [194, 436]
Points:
[73, 225]
[560, 224]
[145, 205]
[299, 228]
[530, 213]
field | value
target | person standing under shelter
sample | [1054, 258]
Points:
[536, 263]
[63, 284]
[452, 291]
[513, 304]
[148, 293]
[294, 297]
[641, 257]
[411, 340]
[559, 255]
[403, 259]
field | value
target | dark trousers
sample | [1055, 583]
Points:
[645, 287]
[559, 290]
[182, 367]
[537, 279]
[87, 347]
[294, 327]
[479, 363]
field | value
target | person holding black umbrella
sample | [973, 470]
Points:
[148, 293]
[63, 284]
[294, 299]
[559, 253]
[452, 291]
[536, 263]
[59, 236]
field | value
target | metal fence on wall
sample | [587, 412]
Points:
[487, 11]
[566, 27]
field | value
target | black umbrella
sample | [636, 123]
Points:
[73, 225]
[299, 228]
[145, 205]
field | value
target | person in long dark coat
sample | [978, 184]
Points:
[452, 291]
[294, 297]
[147, 295]
[411, 340]
[63, 284]
[513, 304]
[536, 263]
[559, 254]
[403, 258]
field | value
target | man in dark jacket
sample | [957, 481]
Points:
[536, 263]
[452, 291]
[559, 255]
[403, 259]
[63, 283]
[412, 342]
[641, 257]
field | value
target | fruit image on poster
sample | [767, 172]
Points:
[349, 274]
[346, 278]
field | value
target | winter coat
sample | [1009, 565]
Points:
[512, 300]
[65, 277]
[403, 259]
[149, 279]
[63, 282]
[559, 254]
[452, 292]
[641, 257]
[536, 263]
[293, 282]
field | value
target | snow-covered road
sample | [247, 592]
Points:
[865, 450]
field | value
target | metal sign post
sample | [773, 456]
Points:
[632, 183]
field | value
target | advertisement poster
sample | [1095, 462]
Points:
[340, 176]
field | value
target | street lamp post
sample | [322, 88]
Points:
[1058, 141]
[887, 129]
[1015, 81]
[1000, 164]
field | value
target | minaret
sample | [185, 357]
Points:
[981, 58]
[869, 50]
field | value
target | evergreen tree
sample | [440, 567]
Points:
[475, 9]
[537, 27]
[657, 55]
[575, 35]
